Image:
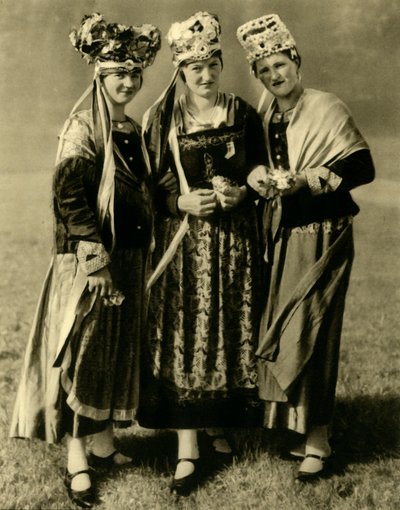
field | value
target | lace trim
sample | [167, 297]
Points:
[92, 256]
[77, 138]
[327, 226]
[322, 180]
[333, 181]
[204, 141]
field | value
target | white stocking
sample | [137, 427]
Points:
[77, 462]
[187, 449]
[317, 444]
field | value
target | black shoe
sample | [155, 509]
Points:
[85, 498]
[294, 454]
[184, 486]
[219, 459]
[310, 476]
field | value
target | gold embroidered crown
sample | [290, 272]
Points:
[98, 41]
[197, 38]
[264, 36]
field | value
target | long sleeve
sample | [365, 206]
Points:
[355, 170]
[71, 200]
[256, 151]
[343, 175]
[74, 206]
[166, 201]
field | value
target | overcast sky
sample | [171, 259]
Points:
[349, 47]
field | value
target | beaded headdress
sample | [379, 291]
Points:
[264, 36]
[196, 38]
[111, 45]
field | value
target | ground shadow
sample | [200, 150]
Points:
[365, 428]
[156, 449]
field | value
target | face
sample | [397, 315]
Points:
[279, 74]
[122, 86]
[202, 76]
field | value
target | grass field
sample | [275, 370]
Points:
[366, 428]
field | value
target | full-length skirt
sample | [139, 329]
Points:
[98, 379]
[199, 365]
[301, 324]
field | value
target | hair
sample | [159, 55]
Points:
[107, 72]
[217, 53]
[292, 54]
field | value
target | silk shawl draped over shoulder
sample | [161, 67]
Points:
[321, 131]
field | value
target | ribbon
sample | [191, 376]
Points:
[184, 226]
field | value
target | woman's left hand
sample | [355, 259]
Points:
[301, 182]
[232, 197]
[100, 282]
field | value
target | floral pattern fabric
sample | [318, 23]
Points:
[208, 295]
[199, 365]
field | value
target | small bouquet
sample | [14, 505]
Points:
[224, 186]
[270, 182]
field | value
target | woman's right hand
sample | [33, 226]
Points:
[168, 182]
[200, 202]
[100, 282]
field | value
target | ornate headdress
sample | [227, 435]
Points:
[197, 38]
[264, 36]
[111, 45]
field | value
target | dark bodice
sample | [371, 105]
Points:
[133, 217]
[229, 151]
[214, 152]
[278, 142]
[76, 184]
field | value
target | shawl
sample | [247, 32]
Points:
[318, 289]
[321, 131]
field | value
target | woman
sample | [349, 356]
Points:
[199, 365]
[316, 155]
[80, 374]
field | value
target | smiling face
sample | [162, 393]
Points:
[122, 86]
[279, 74]
[202, 76]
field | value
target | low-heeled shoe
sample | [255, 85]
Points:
[85, 498]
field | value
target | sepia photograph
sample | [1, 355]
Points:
[200, 254]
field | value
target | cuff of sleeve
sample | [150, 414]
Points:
[334, 181]
[92, 256]
[322, 180]
[172, 204]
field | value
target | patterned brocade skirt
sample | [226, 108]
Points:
[199, 366]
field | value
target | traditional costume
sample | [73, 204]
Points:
[199, 364]
[81, 368]
[308, 242]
